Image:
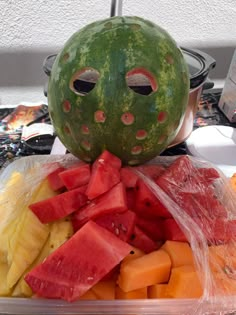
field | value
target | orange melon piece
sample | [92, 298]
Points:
[224, 285]
[180, 253]
[105, 290]
[222, 256]
[233, 181]
[89, 295]
[157, 291]
[184, 283]
[131, 295]
[145, 271]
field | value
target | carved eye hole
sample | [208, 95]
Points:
[141, 81]
[84, 81]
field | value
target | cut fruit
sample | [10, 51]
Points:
[145, 271]
[76, 176]
[113, 201]
[58, 207]
[78, 264]
[120, 224]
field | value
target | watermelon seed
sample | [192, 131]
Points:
[147, 203]
[112, 224]
[117, 231]
[123, 228]
[132, 252]
[127, 118]
[132, 237]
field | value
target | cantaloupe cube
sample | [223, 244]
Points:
[131, 295]
[144, 271]
[157, 291]
[184, 283]
[105, 290]
[222, 256]
[180, 253]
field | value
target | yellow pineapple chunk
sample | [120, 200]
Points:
[60, 231]
[4, 290]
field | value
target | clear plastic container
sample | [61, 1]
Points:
[35, 168]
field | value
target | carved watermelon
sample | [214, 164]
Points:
[94, 95]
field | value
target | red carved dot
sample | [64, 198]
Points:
[66, 106]
[127, 118]
[85, 129]
[162, 117]
[141, 134]
[162, 139]
[86, 145]
[169, 59]
[67, 129]
[136, 150]
[99, 116]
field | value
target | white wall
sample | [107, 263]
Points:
[31, 29]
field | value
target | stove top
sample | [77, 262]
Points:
[13, 120]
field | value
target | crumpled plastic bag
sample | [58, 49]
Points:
[199, 198]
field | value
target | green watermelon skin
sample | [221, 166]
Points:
[114, 47]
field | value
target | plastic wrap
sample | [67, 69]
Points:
[199, 198]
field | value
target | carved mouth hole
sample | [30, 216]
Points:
[84, 81]
[141, 81]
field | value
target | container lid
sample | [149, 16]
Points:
[199, 64]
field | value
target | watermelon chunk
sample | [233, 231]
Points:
[120, 224]
[172, 231]
[59, 206]
[76, 176]
[54, 179]
[112, 201]
[147, 205]
[176, 175]
[152, 227]
[78, 264]
[105, 174]
[140, 240]
[128, 177]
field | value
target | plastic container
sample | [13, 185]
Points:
[35, 168]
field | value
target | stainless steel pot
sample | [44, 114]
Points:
[199, 64]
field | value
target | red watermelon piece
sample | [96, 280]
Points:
[140, 240]
[54, 179]
[76, 176]
[152, 227]
[120, 224]
[59, 206]
[112, 201]
[105, 174]
[147, 205]
[78, 264]
[172, 231]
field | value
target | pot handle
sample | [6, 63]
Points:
[48, 63]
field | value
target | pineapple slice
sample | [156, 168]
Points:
[60, 231]
[4, 290]
[32, 235]
[28, 237]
